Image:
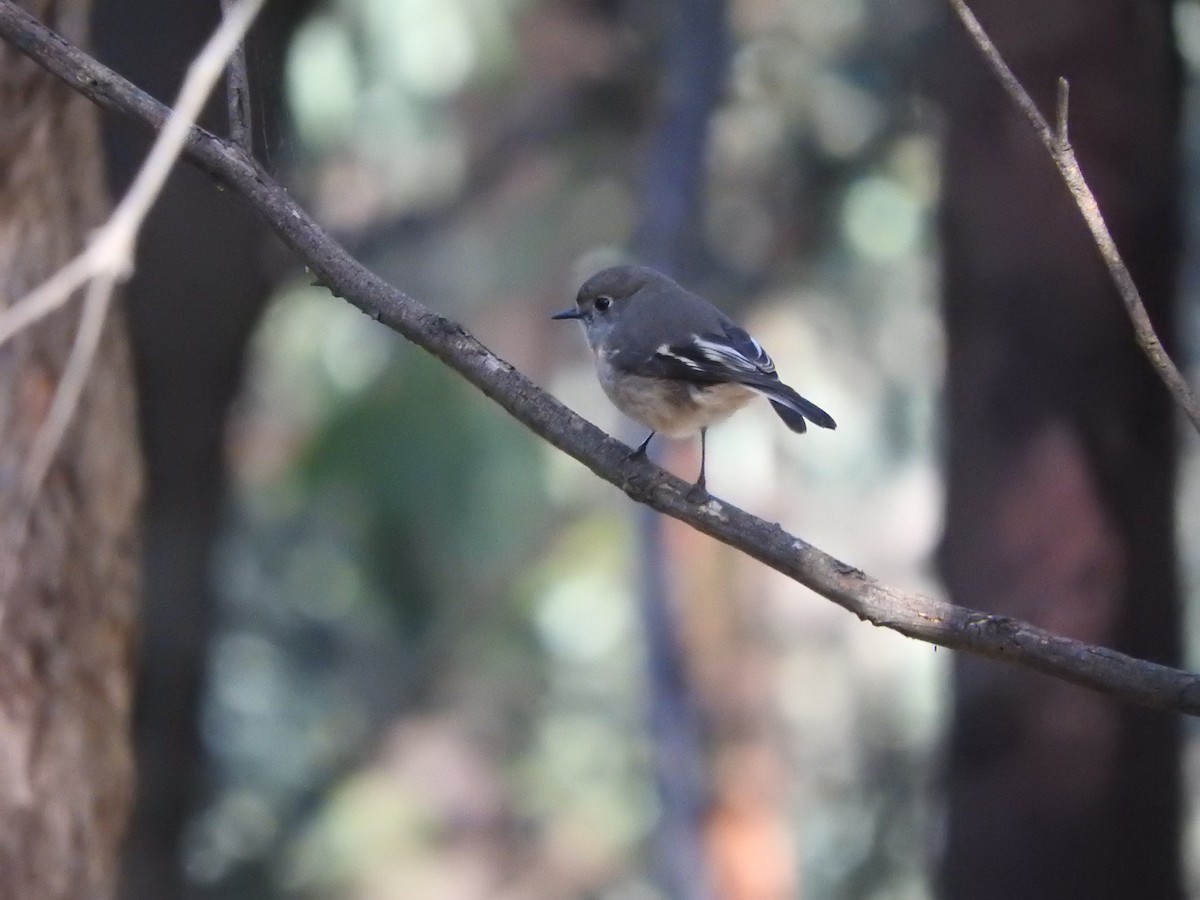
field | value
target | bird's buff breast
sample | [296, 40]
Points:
[673, 408]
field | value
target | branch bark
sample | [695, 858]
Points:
[914, 615]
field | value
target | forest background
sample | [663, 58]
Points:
[394, 646]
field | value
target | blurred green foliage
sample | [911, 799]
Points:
[445, 490]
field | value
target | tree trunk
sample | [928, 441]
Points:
[1061, 453]
[685, 840]
[68, 568]
[192, 305]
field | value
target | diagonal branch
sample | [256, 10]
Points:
[914, 615]
[1063, 155]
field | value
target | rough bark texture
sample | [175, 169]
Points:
[1061, 452]
[68, 568]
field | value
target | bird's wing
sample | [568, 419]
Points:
[723, 354]
[730, 355]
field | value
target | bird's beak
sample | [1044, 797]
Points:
[571, 313]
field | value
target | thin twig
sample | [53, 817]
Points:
[915, 615]
[202, 75]
[112, 246]
[70, 385]
[108, 259]
[237, 90]
[48, 296]
[1063, 155]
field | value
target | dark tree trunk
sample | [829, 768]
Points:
[1061, 452]
[693, 73]
[194, 302]
[67, 569]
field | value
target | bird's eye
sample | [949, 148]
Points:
[603, 302]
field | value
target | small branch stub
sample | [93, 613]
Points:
[1063, 101]
[237, 86]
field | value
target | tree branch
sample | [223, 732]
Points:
[914, 615]
[1063, 155]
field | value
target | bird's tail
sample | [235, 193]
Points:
[793, 408]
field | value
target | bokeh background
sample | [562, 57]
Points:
[396, 647]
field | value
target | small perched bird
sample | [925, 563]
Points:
[674, 362]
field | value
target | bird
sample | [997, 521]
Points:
[673, 362]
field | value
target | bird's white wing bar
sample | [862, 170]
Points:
[667, 352]
[746, 356]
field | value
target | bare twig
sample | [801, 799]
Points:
[70, 385]
[108, 259]
[1063, 155]
[237, 90]
[202, 75]
[48, 296]
[914, 615]
[111, 248]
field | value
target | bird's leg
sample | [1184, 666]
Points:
[641, 450]
[699, 491]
